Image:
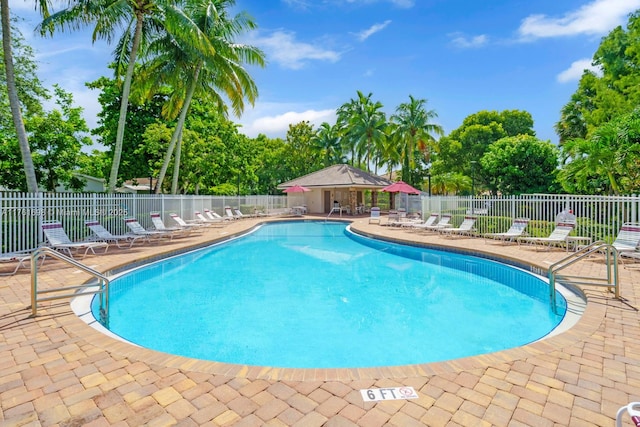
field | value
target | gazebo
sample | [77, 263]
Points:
[342, 183]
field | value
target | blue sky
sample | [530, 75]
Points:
[463, 56]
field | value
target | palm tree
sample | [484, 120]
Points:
[364, 124]
[214, 65]
[415, 130]
[12, 90]
[140, 19]
[328, 141]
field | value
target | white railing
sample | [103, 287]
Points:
[22, 213]
[598, 217]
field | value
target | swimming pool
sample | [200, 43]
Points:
[313, 294]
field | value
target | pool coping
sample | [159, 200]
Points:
[585, 326]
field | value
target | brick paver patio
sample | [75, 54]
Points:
[56, 370]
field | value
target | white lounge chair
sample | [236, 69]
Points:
[431, 220]
[467, 228]
[201, 219]
[138, 229]
[444, 222]
[104, 235]
[633, 409]
[58, 239]
[557, 237]
[375, 215]
[158, 224]
[517, 229]
[19, 258]
[229, 213]
[193, 226]
[214, 215]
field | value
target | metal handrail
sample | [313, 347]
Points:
[611, 259]
[79, 290]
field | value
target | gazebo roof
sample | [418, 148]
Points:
[339, 176]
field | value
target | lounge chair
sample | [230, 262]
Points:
[201, 219]
[58, 240]
[633, 409]
[442, 223]
[375, 215]
[229, 213]
[193, 226]
[104, 235]
[467, 228]
[517, 229]
[149, 235]
[159, 225]
[238, 214]
[628, 238]
[431, 220]
[557, 237]
[214, 215]
[19, 258]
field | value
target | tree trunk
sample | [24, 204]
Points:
[124, 105]
[178, 130]
[14, 102]
[176, 166]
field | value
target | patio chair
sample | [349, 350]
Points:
[467, 228]
[431, 220]
[214, 215]
[557, 237]
[238, 214]
[633, 409]
[201, 219]
[104, 235]
[229, 213]
[192, 226]
[58, 240]
[375, 215]
[517, 229]
[159, 225]
[149, 235]
[444, 222]
[19, 258]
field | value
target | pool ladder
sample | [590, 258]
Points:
[99, 286]
[612, 281]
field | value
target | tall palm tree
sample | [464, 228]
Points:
[141, 19]
[327, 140]
[213, 66]
[414, 129]
[364, 124]
[12, 90]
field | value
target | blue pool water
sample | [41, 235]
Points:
[313, 294]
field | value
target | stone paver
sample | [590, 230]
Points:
[56, 370]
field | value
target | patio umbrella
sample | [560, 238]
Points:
[400, 187]
[296, 189]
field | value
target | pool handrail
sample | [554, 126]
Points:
[78, 290]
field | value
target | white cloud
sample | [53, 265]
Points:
[276, 125]
[597, 17]
[282, 47]
[365, 34]
[466, 42]
[575, 71]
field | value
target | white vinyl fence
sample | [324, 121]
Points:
[22, 213]
[597, 217]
